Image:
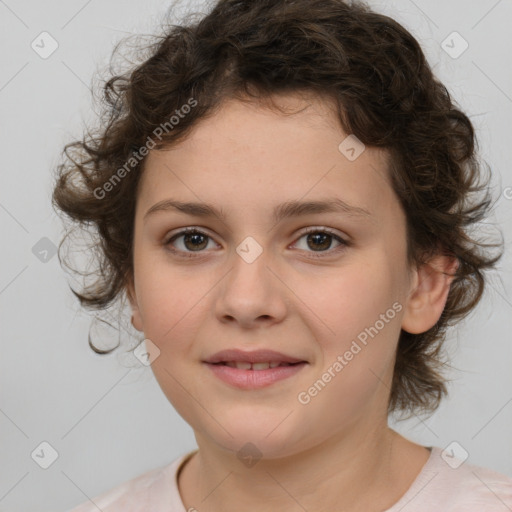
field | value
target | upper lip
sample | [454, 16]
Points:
[256, 356]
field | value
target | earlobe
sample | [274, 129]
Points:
[135, 320]
[427, 299]
[136, 317]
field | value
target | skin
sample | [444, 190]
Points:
[337, 452]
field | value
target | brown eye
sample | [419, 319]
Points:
[320, 240]
[188, 240]
[195, 241]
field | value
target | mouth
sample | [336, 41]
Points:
[256, 369]
[246, 365]
[255, 357]
[245, 375]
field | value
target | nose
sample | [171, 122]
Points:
[251, 294]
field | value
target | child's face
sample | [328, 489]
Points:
[247, 160]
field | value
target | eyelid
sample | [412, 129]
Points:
[343, 240]
[304, 231]
[315, 229]
[189, 229]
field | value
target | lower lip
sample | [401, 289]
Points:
[253, 379]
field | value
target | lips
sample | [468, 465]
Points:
[243, 365]
[253, 360]
[253, 370]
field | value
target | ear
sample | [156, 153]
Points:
[428, 295]
[132, 297]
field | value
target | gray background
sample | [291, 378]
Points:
[105, 415]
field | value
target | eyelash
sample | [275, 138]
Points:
[315, 254]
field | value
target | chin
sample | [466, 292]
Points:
[251, 440]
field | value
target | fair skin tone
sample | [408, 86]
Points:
[335, 452]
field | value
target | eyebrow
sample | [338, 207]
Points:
[281, 211]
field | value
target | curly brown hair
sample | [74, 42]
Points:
[385, 94]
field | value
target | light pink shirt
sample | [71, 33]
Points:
[437, 488]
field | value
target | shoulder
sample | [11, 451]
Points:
[155, 488]
[477, 488]
[450, 484]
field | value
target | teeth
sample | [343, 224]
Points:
[239, 364]
[260, 366]
[242, 365]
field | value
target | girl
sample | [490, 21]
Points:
[282, 194]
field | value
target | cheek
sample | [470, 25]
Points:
[357, 362]
[168, 302]
[172, 314]
[357, 319]
[350, 299]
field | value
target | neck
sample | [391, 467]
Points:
[363, 471]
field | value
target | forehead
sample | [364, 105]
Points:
[248, 155]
